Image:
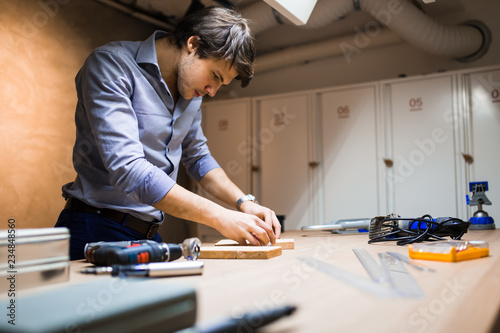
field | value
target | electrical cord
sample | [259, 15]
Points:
[421, 229]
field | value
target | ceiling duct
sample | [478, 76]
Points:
[465, 42]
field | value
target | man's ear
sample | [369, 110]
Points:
[192, 44]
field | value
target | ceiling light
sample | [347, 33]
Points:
[297, 11]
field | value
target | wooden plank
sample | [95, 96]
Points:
[285, 244]
[239, 252]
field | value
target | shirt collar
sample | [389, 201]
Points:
[147, 50]
[147, 55]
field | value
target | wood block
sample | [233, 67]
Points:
[285, 244]
[239, 252]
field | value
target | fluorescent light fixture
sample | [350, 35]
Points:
[297, 11]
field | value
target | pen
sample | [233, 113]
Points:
[152, 269]
[250, 322]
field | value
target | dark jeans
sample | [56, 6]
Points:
[91, 227]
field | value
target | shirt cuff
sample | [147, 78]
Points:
[202, 166]
[154, 187]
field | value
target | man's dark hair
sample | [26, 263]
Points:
[223, 35]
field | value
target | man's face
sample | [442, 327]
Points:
[197, 77]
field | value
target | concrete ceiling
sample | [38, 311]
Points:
[279, 37]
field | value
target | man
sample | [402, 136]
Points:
[138, 116]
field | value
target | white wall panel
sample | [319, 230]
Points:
[484, 114]
[349, 153]
[227, 128]
[281, 146]
[422, 139]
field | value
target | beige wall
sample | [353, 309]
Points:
[43, 43]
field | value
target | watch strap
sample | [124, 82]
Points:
[247, 197]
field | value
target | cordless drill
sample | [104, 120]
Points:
[140, 251]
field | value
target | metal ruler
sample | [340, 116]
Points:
[392, 271]
[399, 278]
[404, 258]
[388, 279]
[346, 277]
[373, 268]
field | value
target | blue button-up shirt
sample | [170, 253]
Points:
[130, 135]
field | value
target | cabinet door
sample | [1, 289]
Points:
[227, 128]
[423, 176]
[281, 142]
[484, 113]
[349, 153]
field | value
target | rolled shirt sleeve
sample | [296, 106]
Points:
[196, 155]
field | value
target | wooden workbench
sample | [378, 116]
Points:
[459, 297]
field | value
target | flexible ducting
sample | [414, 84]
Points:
[324, 49]
[420, 30]
[465, 42]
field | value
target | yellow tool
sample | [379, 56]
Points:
[451, 251]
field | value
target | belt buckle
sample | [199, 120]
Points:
[153, 228]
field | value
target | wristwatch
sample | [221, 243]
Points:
[248, 197]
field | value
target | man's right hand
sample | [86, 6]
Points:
[242, 227]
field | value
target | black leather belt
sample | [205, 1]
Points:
[148, 229]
